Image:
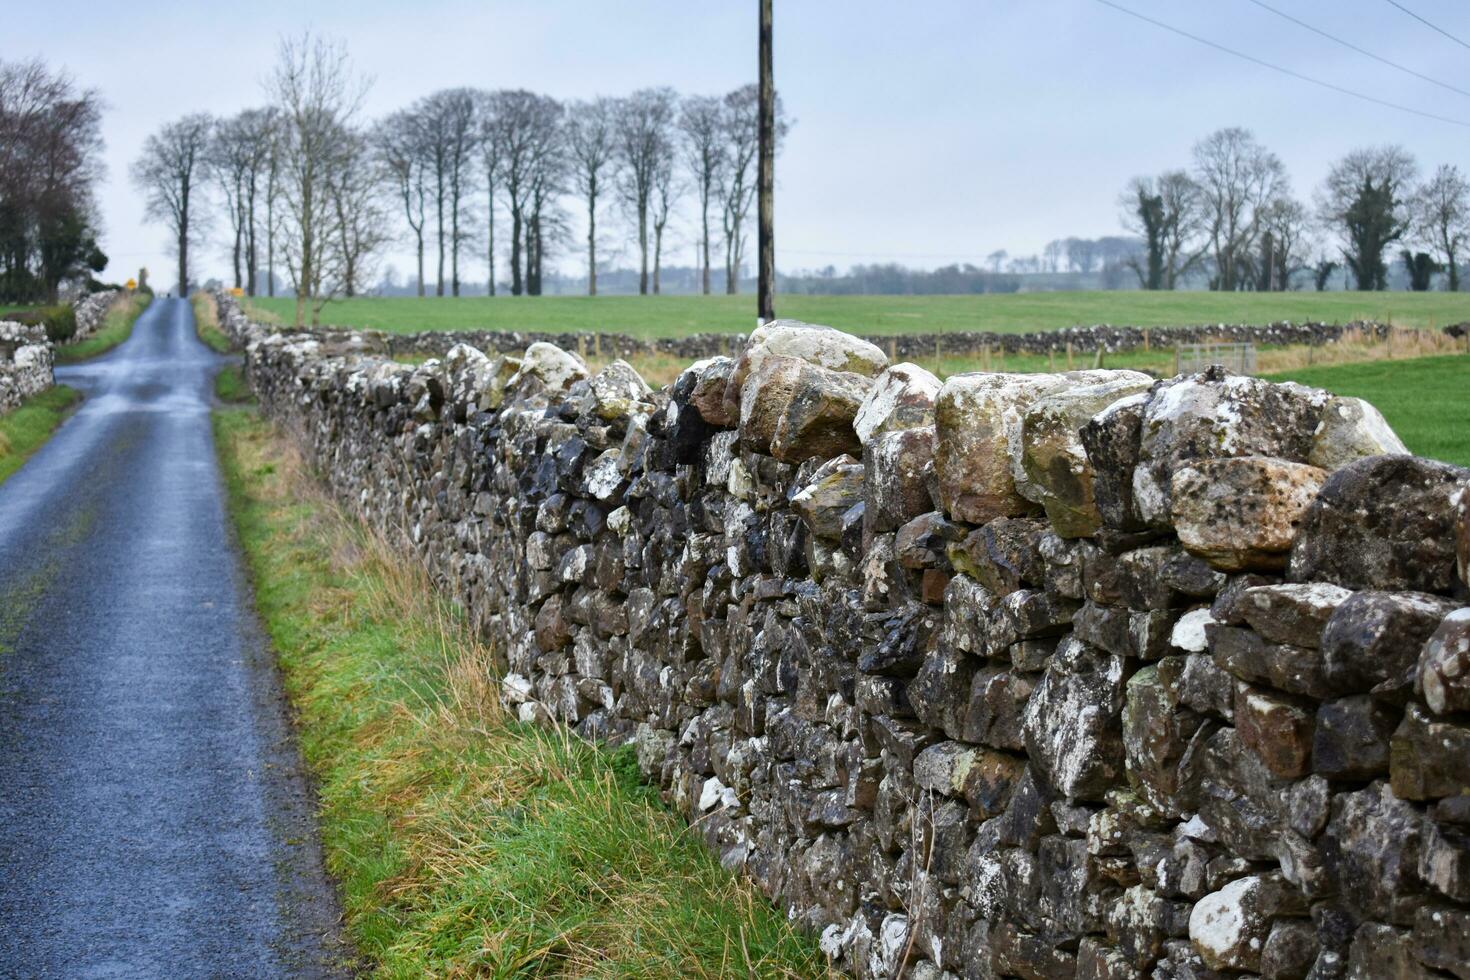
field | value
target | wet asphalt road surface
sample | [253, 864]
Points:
[154, 819]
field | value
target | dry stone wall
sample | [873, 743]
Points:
[916, 345]
[91, 311]
[25, 363]
[1079, 675]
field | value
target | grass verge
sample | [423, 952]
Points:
[26, 429]
[465, 842]
[117, 327]
[1426, 399]
[206, 323]
[230, 386]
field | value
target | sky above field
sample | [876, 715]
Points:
[925, 133]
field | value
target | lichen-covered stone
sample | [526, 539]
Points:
[1229, 927]
[1351, 429]
[1384, 522]
[1373, 639]
[818, 418]
[1371, 852]
[1444, 664]
[978, 417]
[1055, 470]
[1351, 741]
[1428, 757]
[898, 469]
[833, 490]
[1242, 513]
[552, 366]
[1279, 731]
[902, 397]
[1292, 613]
[810, 343]
[1073, 724]
[1214, 415]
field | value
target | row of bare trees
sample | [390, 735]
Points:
[638, 155]
[306, 182]
[50, 160]
[298, 177]
[1232, 215]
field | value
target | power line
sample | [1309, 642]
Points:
[1429, 25]
[1285, 71]
[1348, 44]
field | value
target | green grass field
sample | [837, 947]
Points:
[466, 843]
[117, 327]
[1426, 400]
[25, 429]
[663, 316]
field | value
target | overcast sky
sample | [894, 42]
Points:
[925, 132]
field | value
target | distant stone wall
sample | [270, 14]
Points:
[913, 345]
[91, 311]
[1078, 675]
[25, 363]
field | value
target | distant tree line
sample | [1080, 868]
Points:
[892, 279]
[50, 149]
[316, 189]
[1232, 217]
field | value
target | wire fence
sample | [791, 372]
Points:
[1193, 358]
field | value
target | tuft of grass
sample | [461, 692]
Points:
[206, 323]
[116, 327]
[230, 386]
[465, 842]
[1426, 400]
[26, 429]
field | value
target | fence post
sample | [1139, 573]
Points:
[938, 364]
[1069, 353]
[1051, 358]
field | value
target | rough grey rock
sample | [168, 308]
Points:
[1444, 665]
[1384, 522]
[1242, 513]
[1056, 472]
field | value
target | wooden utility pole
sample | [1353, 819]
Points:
[766, 291]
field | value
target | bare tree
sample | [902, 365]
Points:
[525, 127]
[666, 189]
[737, 184]
[1365, 197]
[1164, 211]
[402, 159]
[492, 161]
[168, 173]
[591, 152]
[318, 97]
[1052, 255]
[1237, 177]
[239, 157]
[449, 133]
[1283, 244]
[1081, 254]
[1441, 211]
[358, 221]
[644, 121]
[701, 130]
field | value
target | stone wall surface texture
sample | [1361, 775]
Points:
[25, 363]
[1073, 675]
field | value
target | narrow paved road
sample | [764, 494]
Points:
[154, 820]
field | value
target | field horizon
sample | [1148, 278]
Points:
[668, 316]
